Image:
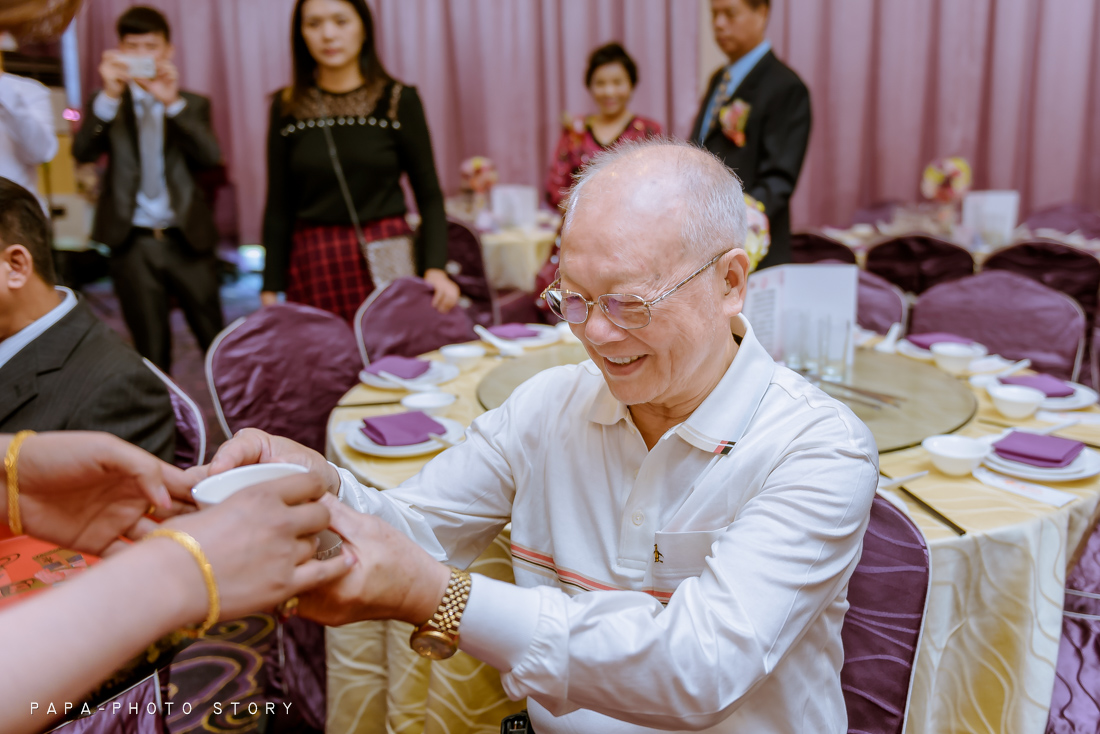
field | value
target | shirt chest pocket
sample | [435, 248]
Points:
[678, 556]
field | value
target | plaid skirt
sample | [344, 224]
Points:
[327, 269]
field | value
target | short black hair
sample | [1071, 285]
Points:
[22, 222]
[612, 53]
[755, 4]
[139, 20]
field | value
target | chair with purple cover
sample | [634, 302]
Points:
[1075, 706]
[1067, 218]
[190, 426]
[880, 303]
[257, 369]
[399, 319]
[916, 262]
[887, 595]
[106, 719]
[466, 266]
[1061, 267]
[1013, 316]
[810, 247]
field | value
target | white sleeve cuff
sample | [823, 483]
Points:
[176, 107]
[104, 107]
[499, 622]
[355, 495]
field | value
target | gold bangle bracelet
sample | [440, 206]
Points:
[195, 550]
[11, 461]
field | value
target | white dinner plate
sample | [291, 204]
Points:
[546, 335]
[1087, 464]
[437, 374]
[911, 350]
[1082, 397]
[362, 443]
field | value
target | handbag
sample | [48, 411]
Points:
[387, 259]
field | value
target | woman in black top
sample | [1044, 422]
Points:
[378, 132]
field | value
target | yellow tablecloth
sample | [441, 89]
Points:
[992, 626]
[513, 256]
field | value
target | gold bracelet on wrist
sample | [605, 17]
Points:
[11, 460]
[195, 550]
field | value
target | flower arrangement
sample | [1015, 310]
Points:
[946, 180]
[478, 175]
[733, 118]
[758, 239]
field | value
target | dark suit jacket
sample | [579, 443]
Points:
[80, 376]
[776, 135]
[189, 147]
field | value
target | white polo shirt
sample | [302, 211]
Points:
[698, 585]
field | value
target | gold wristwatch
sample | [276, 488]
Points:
[438, 637]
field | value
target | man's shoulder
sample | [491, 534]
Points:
[564, 388]
[194, 99]
[815, 416]
[86, 341]
[780, 76]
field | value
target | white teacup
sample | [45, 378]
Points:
[955, 456]
[1015, 401]
[463, 356]
[218, 488]
[954, 358]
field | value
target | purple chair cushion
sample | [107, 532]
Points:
[400, 320]
[1068, 218]
[107, 721]
[1013, 316]
[466, 266]
[886, 594]
[1061, 267]
[916, 262]
[282, 370]
[879, 304]
[809, 247]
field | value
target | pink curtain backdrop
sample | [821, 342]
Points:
[1011, 85]
[495, 75]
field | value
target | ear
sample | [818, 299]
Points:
[734, 266]
[20, 266]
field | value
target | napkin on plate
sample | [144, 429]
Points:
[401, 429]
[404, 367]
[1046, 452]
[512, 331]
[925, 341]
[1052, 387]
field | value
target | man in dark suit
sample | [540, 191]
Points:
[756, 116]
[61, 368]
[151, 212]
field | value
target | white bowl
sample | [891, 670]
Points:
[1015, 401]
[954, 358]
[463, 356]
[984, 381]
[955, 455]
[432, 403]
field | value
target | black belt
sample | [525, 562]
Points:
[158, 233]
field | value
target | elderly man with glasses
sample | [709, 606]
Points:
[685, 512]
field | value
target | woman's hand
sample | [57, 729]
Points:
[82, 489]
[253, 446]
[268, 298]
[446, 290]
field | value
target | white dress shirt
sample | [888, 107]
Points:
[14, 344]
[27, 135]
[153, 213]
[700, 584]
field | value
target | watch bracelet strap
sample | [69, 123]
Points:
[448, 615]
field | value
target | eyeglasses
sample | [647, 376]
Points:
[625, 310]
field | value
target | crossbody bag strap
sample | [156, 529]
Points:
[326, 128]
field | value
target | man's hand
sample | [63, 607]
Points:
[165, 86]
[253, 446]
[82, 489]
[446, 290]
[393, 577]
[115, 73]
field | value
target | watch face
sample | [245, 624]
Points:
[433, 644]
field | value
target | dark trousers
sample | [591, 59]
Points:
[150, 270]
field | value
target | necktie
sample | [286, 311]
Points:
[720, 93]
[152, 150]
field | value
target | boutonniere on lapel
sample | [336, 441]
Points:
[733, 118]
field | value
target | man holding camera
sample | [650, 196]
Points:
[152, 213]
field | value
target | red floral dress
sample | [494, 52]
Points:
[577, 146]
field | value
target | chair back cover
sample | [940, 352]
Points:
[466, 266]
[887, 595]
[190, 426]
[880, 303]
[399, 319]
[810, 247]
[1013, 316]
[282, 369]
[917, 262]
[1075, 706]
[1067, 218]
[106, 719]
[1061, 267]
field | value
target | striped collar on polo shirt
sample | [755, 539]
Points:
[719, 422]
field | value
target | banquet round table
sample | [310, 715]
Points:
[993, 620]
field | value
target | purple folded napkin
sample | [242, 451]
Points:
[1052, 387]
[1047, 452]
[404, 367]
[401, 429]
[512, 331]
[925, 341]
